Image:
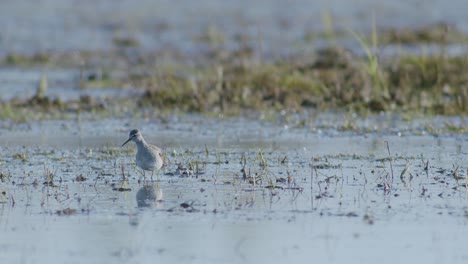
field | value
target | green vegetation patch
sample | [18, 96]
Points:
[19, 59]
[232, 81]
[434, 33]
[330, 78]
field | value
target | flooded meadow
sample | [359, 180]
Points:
[233, 190]
[301, 131]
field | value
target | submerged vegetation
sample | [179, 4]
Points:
[232, 81]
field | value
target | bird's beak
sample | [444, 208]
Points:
[130, 138]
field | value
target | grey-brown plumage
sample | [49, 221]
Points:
[148, 157]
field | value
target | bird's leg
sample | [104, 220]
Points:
[142, 172]
[152, 172]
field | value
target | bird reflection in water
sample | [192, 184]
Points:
[150, 195]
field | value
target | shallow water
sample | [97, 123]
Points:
[63, 84]
[348, 208]
[275, 27]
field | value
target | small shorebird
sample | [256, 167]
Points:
[148, 157]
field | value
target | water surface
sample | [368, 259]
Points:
[348, 208]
